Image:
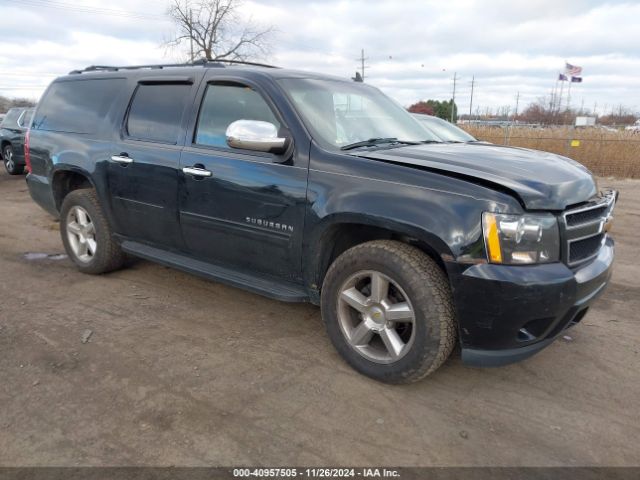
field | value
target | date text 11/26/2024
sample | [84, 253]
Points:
[315, 473]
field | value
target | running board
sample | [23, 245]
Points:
[269, 287]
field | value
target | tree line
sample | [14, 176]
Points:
[7, 103]
[539, 112]
[436, 108]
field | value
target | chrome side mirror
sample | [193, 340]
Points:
[255, 135]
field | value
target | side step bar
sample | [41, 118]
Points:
[269, 287]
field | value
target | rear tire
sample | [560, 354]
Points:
[86, 234]
[9, 161]
[388, 311]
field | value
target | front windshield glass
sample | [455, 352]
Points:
[340, 113]
[448, 132]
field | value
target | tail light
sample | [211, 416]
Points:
[27, 154]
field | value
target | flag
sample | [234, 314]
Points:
[576, 79]
[562, 77]
[572, 70]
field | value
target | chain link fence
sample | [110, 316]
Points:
[605, 153]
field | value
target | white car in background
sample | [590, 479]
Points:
[635, 128]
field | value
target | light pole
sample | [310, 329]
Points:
[473, 82]
[453, 98]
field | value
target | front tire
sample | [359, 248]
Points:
[9, 162]
[388, 311]
[86, 234]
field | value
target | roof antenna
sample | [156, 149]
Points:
[357, 78]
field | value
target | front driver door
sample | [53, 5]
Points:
[241, 208]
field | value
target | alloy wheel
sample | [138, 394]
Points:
[8, 159]
[81, 233]
[376, 317]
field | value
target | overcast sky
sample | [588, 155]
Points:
[413, 46]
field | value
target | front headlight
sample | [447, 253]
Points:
[521, 239]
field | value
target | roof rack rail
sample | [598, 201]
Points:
[202, 62]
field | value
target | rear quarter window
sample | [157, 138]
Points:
[25, 119]
[78, 106]
[11, 119]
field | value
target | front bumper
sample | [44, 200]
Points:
[508, 313]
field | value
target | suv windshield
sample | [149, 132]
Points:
[340, 114]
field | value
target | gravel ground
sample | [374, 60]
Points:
[150, 366]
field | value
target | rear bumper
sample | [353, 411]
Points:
[509, 313]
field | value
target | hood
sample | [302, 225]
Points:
[542, 181]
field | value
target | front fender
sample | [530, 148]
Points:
[441, 211]
[448, 223]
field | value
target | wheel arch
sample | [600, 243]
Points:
[338, 233]
[4, 144]
[67, 179]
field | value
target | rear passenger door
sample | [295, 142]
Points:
[143, 169]
[246, 209]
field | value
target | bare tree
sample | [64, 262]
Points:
[215, 30]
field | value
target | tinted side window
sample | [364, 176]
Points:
[78, 106]
[223, 104]
[156, 112]
[11, 119]
[25, 119]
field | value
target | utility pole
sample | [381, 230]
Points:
[362, 59]
[473, 81]
[453, 98]
[191, 33]
[513, 119]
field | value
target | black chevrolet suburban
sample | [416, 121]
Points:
[310, 188]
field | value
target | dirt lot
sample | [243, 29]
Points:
[181, 371]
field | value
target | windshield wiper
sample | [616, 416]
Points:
[377, 141]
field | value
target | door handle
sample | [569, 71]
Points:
[122, 159]
[197, 172]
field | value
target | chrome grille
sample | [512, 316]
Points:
[584, 249]
[584, 228]
[585, 216]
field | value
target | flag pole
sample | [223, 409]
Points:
[555, 92]
[560, 98]
[568, 99]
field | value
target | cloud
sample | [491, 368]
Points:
[413, 47]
